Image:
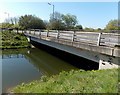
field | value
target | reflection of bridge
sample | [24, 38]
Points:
[48, 67]
[97, 47]
[12, 56]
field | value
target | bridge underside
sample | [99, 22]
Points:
[92, 60]
[74, 60]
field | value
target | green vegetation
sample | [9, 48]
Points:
[57, 21]
[69, 20]
[6, 25]
[62, 21]
[31, 22]
[10, 39]
[100, 81]
[113, 25]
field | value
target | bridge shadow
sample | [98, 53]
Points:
[74, 60]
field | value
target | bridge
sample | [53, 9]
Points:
[102, 48]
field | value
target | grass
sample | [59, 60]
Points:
[9, 39]
[100, 81]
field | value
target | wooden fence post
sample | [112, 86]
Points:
[40, 33]
[17, 30]
[29, 31]
[48, 33]
[99, 38]
[73, 37]
[25, 31]
[34, 31]
[22, 31]
[58, 35]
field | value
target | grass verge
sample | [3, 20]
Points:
[99, 81]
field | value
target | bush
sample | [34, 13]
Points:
[13, 40]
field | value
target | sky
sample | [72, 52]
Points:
[89, 14]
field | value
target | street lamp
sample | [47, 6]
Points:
[53, 9]
[7, 14]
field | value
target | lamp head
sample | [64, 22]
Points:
[49, 3]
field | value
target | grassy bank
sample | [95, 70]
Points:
[9, 39]
[100, 81]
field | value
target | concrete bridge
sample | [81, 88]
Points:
[102, 48]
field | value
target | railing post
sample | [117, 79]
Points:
[40, 33]
[17, 30]
[58, 35]
[22, 31]
[34, 31]
[29, 31]
[73, 37]
[25, 31]
[99, 38]
[48, 33]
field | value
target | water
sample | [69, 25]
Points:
[24, 65]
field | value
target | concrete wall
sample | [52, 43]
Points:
[105, 61]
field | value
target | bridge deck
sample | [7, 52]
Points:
[104, 43]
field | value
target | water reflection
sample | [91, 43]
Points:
[46, 63]
[25, 65]
[12, 56]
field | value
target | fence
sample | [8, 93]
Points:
[94, 38]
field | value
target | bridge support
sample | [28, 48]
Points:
[106, 65]
[28, 38]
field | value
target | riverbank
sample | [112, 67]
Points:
[74, 81]
[12, 40]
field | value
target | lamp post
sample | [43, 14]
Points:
[8, 15]
[53, 9]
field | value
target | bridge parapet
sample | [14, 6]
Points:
[104, 43]
[96, 38]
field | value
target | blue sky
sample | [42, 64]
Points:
[89, 14]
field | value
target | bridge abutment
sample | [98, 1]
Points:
[106, 65]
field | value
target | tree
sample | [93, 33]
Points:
[16, 26]
[69, 20]
[31, 22]
[99, 29]
[60, 21]
[88, 29]
[12, 20]
[78, 27]
[56, 22]
[113, 25]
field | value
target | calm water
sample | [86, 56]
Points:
[25, 65]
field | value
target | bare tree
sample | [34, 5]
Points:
[12, 20]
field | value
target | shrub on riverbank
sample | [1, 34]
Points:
[10, 39]
[100, 81]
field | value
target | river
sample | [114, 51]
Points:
[24, 65]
